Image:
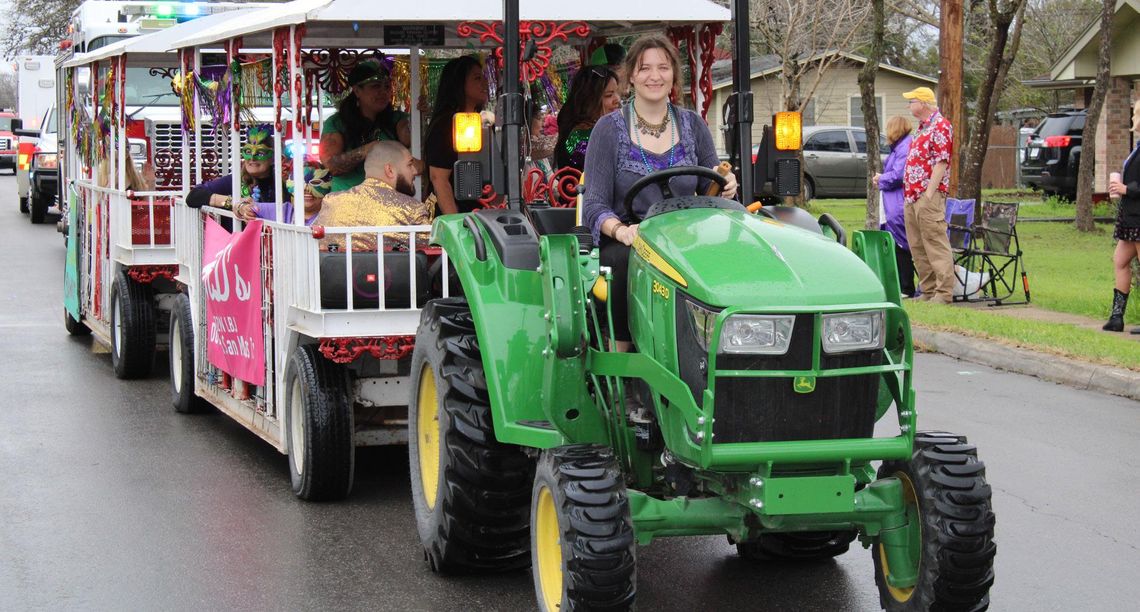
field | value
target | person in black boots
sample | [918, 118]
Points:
[1125, 188]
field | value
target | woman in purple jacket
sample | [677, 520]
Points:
[891, 187]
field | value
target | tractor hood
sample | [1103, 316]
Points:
[734, 258]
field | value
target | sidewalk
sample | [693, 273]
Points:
[1071, 372]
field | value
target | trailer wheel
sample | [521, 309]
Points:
[471, 493]
[952, 526]
[799, 546]
[37, 206]
[583, 553]
[75, 328]
[181, 353]
[322, 452]
[132, 328]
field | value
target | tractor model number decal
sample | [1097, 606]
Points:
[661, 290]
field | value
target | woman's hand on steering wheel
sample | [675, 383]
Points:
[626, 234]
[729, 189]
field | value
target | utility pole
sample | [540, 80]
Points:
[950, 79]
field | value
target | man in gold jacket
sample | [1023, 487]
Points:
[386, 198]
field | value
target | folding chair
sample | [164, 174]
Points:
[994, 251]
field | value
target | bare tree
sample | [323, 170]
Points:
[36, 26]
[1004, 34]
[1084, 221]
[870, 112]
[7, 90]
[802, 34]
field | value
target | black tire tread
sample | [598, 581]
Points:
[185, 401]
[135, 359]
[73, 327]
[956, 569]
[330, 462]
[599, 550]
[481, 519]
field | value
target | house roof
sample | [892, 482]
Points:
[765, 65]
[1090, 37]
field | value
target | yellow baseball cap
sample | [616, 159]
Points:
[922, 94]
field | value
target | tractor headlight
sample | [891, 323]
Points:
[853, 331]
[757, 334]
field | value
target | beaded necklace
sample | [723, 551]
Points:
[672, 137]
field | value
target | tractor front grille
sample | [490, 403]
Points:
[768, 409]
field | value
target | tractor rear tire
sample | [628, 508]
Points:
[471, 492]
[800, 546]
[181, 353]
[322, 450]
[132, 328]
[583, 551]
[947, 485]
[73, 327]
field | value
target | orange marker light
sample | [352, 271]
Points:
[789, 131]
[467, 130]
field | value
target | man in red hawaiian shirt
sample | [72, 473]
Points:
[926, 182]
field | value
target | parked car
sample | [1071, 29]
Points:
[41, 189]
[835, 161]
[7, 142]
[1053, 154]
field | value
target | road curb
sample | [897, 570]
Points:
[1070, 372]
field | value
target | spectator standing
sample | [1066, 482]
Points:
[1125, 188]
[363, 118]
[890, 182]
[926, 184]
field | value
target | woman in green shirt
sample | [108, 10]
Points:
[363, 118]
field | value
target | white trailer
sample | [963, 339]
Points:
[35, 87]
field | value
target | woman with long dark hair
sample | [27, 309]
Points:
[363, 118]
[462, 89]
[593, 93]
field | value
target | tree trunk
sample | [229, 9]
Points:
[1085, 174]
[871, 113]
[989, 94]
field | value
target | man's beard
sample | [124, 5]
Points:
[405, 186]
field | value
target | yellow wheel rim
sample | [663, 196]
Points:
[427, 432]
[902, 594]
[548, 550]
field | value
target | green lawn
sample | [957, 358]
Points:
[1069, 271]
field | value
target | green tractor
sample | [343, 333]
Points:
[766, 352]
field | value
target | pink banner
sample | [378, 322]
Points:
[231, 283]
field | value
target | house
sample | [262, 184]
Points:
[836, 101]
[1076, 72]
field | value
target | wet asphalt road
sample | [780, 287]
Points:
[111, 501]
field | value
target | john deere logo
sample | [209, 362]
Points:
[804, 384]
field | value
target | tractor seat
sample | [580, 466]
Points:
[366, 278]
[549, 220]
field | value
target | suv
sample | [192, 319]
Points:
[835, 161]
[1053, 154]
[43, 175]
[7, 142]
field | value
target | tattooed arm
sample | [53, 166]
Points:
[336, 159]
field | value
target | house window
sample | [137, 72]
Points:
[855, 110]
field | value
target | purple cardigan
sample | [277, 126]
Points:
[614, 163]
[891, 186]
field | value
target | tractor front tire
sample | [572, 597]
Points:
[181, 353]
[322, 450]
[132, 328]
[471, 492]
[583, 552]
[799, 546]
[945, 487]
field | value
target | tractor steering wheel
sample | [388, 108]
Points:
[662, 178]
